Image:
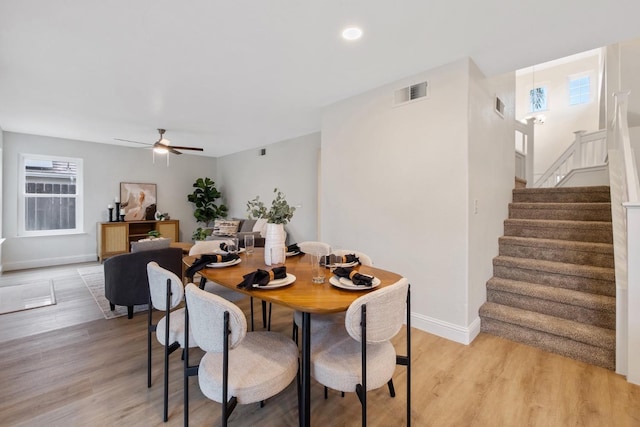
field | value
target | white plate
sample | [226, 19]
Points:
[346, 264]
[224, 264]
[278, 283]
[238, 252]
[292, 253]
[341, 282]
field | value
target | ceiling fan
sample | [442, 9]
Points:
[161, 146]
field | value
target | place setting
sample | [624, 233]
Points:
[267, 279]
[350, 279]
[293, 250]
[213, 261]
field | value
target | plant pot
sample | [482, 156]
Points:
[274, 237]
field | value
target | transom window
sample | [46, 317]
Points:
[51, 193]
[579, 90]
[538, 99]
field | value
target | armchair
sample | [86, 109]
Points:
[125, 275]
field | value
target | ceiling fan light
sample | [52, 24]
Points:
[160, 150]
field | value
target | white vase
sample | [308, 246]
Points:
[274, 237]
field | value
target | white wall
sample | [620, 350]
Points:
[396, 185]
[491, 178]
[290, 165]
[561, 119]
[105, 166]
[1, 197]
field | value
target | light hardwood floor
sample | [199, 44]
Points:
[84, 370]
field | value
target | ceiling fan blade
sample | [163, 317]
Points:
[135, 142]
[187, 148]
[171, 150]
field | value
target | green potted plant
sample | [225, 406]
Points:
[201, 233]
[204, 198]
[279, 214]
[153, 234]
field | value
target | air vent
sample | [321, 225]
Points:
[499, 107]
[411, 93]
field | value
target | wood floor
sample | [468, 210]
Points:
[90, 371]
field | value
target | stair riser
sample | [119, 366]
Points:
[552, 343]
[577, 283]
[558, 254]
[529, 196]
[576, 234]
[553, 308]
[563, 214]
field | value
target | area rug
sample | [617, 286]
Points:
[93, 278]
[27, 296]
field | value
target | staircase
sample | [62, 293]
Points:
[553, 285]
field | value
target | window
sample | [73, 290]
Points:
[51, 195]
[579, 90]
[538, 99]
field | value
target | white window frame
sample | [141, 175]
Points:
[22, 194]
[577, 77]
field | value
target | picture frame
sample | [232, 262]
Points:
[138, 201]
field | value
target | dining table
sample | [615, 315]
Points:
[303, 295]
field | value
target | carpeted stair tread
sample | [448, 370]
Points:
[565, 296]
[583, 231]
[561, 211]
[575, 331]
[563, 194]
[574, 252]
[563, 346]
[586, 271]
[596, 280]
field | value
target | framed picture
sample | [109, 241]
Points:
[139, 201]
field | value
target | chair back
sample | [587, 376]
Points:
[206, 319]
[364, 258]
[319, 248]
[385, 313]
[158, 287]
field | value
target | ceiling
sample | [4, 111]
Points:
[234, 75]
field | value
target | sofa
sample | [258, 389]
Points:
[238, 227]
[125, 275]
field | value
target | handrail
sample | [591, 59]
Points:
[588, 149]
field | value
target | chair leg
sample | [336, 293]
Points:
[129, 312]
[294, 333]
[264, 314]
[392, 390]
[251, 303]
[112, 306]
[326, 393]
[269, 321]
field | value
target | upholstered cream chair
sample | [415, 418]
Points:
[323, 320]
[165, 294]
[239, 366]
[358, 356]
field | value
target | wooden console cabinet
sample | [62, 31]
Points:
[115, 238]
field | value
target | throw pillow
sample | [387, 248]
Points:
[247, 225]
[150, 244]
[225, 227]
[261, 226]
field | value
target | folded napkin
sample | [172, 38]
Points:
[341, 259]
[293, 248]
[262, 277]
[355, 277]
[205, 259]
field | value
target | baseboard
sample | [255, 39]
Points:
[447, 330]
[48, 262]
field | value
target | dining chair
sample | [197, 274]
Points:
[323, 320]
[239, 367]
[209, 247]
[359, 356]
[165, 294]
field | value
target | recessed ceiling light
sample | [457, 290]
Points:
[351, 33]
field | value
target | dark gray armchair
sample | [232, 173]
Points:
[125, 276]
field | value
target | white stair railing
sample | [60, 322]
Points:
[588, 149]
[625, 213]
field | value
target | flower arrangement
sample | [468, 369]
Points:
[279, 213]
